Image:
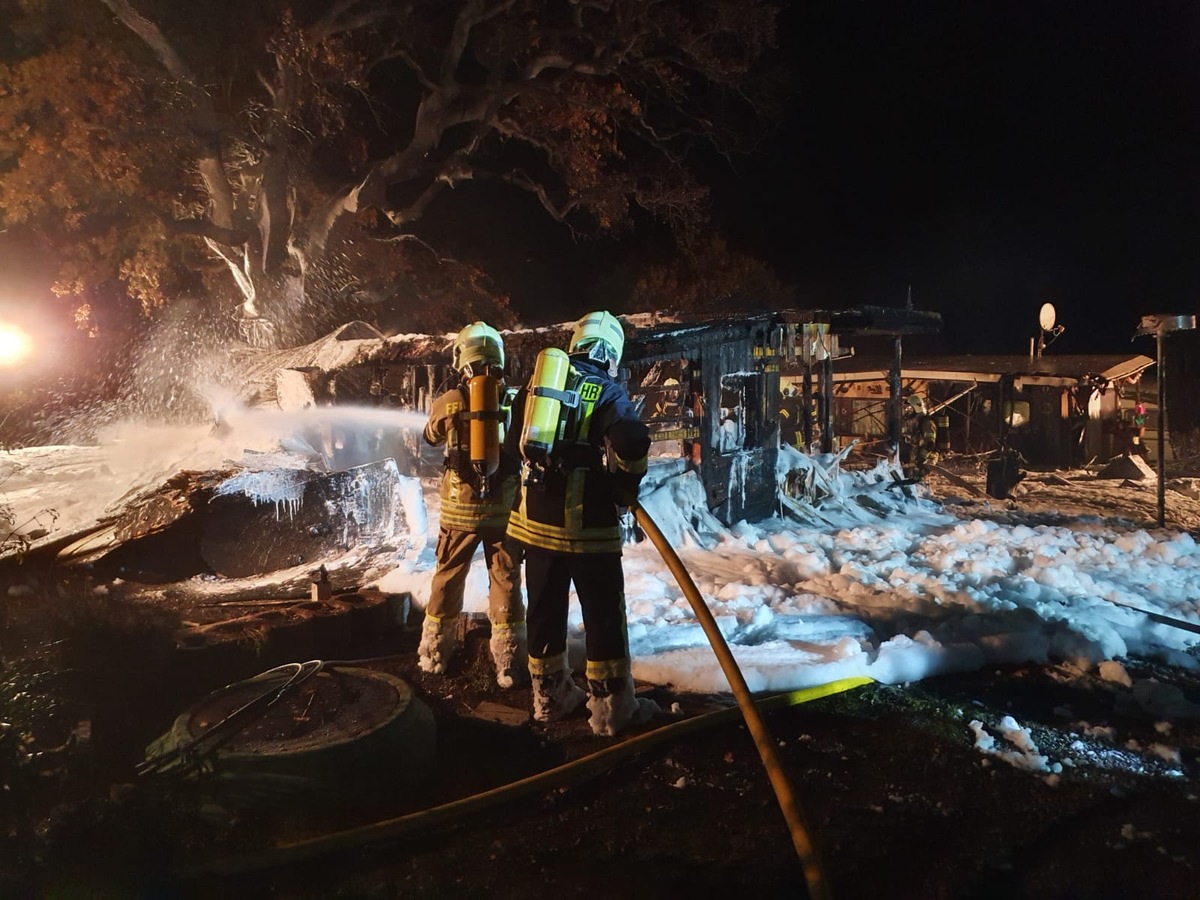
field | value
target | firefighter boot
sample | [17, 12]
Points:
[510, 653]
[439, 640]
[614, 707]
[555, 695]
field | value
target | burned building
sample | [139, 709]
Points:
[710, 393]
[709, 389]
[1055, 411]
[817, 343]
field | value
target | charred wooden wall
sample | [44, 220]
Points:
[735, 365]
[710, 389]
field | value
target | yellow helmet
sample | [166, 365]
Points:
[601, 335]
[478, 344]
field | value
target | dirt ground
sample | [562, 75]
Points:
[1081, 493]
[899, 801]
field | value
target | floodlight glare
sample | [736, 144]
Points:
[15, 345]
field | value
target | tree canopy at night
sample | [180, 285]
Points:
[278, 158]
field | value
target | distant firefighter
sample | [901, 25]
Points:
[922, 435]
[1138, 429]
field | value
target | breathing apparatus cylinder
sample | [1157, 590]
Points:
[544, 405]
[484, 402]
[942, 422]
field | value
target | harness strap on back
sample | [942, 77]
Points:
[569, 399]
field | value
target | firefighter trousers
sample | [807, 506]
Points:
[600, 587]
[455, 549]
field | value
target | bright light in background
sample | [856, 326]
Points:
[15, 345]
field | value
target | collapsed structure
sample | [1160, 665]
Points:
[1055, 411]
[710, 390]
[722, 394]
[760, 412]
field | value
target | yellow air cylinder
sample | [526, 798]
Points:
[943, 432]
[484, 441]
[542, 410]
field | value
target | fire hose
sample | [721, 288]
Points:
[582, 769]
[569, 774]
[814, 877]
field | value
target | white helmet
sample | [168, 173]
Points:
[479, 344]
[600, 334]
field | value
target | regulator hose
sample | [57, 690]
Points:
[569, 774]
[814, 878]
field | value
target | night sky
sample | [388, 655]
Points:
[994, 156]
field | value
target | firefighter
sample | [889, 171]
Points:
[1137, 430]
[922, 435]
[584, 454]
[476, 496]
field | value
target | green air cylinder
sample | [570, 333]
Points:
[542, 410]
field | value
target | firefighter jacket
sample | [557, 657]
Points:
[462, 507]
[573, 509]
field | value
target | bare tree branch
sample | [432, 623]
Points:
[540, 64]
[404, 54]
[336, 21]
[364, 112]
[453, 51]
[152, 35]
[205, 229]
[210, 162]
[473, 13]
[240, 269]
[558, 211]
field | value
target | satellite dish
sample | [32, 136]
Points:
[1046, 317]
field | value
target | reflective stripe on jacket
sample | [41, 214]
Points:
[462, 508]
[574, 509]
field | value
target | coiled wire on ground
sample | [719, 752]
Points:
[192, 756]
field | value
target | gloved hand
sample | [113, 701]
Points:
[624, 488]
[631, 531]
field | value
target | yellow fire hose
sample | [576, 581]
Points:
[818, 888]
[567, 775]
[582, 769]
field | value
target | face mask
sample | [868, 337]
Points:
[600, 354]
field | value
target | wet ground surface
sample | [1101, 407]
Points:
[1077, 493]
[899, 800]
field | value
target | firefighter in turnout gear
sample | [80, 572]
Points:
[922, 432]
[584, 454]
[477, 492]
